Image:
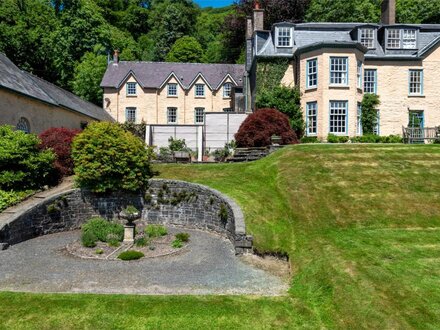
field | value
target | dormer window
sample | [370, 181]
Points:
[131, 88]
[200, 90]
[227, 88]
[284, 36]
[401, 39]
[366, 37]
[172, 89]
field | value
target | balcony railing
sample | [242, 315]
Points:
[421, 134]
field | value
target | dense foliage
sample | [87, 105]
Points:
[288, 101]
[130, 255]
[99, 229]
[108, 158]
[185, 49]
[59, 140]
[370, 102]
[22, 164]
[258, 128]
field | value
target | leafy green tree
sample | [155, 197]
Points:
[88, 76]
[185, 49]
[169, 21]
[286, 100]
[343, 11]
[108, 158]
[22, 164]
[146, 48]
[370, 102]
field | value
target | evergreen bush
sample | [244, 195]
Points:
[130, 255]
[107, 158]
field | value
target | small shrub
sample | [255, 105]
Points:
[9, 198]
[107, 158]
[332, 138]
[258, 128]
[177, 244]
[373, 138]
[101, 228]
[52, 208]
[184, 237]
[392, 139]
[310, 139]
[23, 165]
[112, 240]
[99, 251]
[59, 140]
[223, 213]
[130, 255]
[141, 241]
[155, 231]
[88, 239]
[148, 198]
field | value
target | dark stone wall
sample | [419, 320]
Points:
[165, 202]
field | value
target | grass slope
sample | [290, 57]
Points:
[361, 226]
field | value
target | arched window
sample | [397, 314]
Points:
[23, 125]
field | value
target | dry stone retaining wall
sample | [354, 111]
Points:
[165, 202]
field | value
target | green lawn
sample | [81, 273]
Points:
[361, 224]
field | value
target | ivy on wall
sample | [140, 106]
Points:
[270, 72]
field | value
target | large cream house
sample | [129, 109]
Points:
[159, 93]
[335, 64]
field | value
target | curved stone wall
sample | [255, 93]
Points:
[166, 202]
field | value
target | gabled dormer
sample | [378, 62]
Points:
[366, 35]
[399, 39]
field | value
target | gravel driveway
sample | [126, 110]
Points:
[209, 267]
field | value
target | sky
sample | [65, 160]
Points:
[214, 3]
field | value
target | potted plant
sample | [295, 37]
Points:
[130, 213]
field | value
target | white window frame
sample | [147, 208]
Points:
[130, 114]
[415, 82]
[409, 39]
[171, 115]
[394, 39]
[170, 89]
[197, 92]
[338, 71]
[359, 131]
[312, 118]
[359, 74]
[131, 88]
[227, 90]
[367, 37]
[370, 81]
[338, 117]
[312, 73]
[199, 115]
[284, 36]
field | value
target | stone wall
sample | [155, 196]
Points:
[166, 202]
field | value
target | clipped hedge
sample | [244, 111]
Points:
[130, 255]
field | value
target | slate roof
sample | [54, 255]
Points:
[155, 74]
[337, 34]
[22, 82]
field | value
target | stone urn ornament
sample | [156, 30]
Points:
[130, 213]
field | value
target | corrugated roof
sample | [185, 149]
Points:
[12, 78]
[154, 74]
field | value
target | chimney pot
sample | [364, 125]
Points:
[116, 57]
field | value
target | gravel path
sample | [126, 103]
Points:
[209, 267]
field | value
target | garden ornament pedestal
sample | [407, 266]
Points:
[130, 214]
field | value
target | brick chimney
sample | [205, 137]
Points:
[388, 15]
[258, 17]
[116, 57]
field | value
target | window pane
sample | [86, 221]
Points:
[359, 119]
[130, 115]
[131, 88]
[367, 37]
[312, 73]
[172, 89]
[312, 112]
[199, 115]
[200, 90]
[409, 39]
[338, 70]
[227, 90]
[284, 36]
[172, 115]
[370, 81]
[338, 116]
[393, 36]
[415, 82]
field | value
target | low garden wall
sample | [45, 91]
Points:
[165, 202]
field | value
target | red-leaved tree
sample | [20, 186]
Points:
[258, 128]
[60, 141]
